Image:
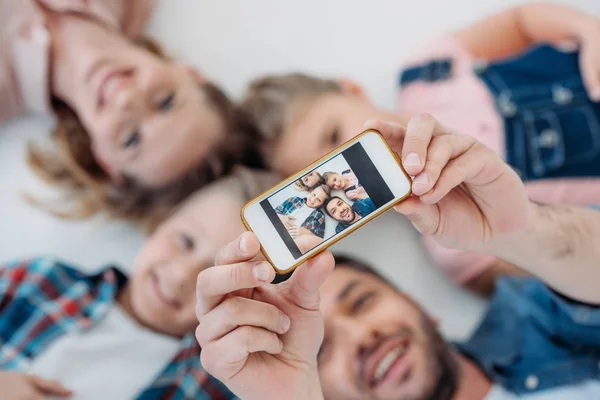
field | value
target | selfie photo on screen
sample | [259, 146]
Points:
[326, 200]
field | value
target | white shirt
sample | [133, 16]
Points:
[116, 359]
[581, 391]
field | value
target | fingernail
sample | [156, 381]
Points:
[243, 244]
[284, 323]
[422, 179]
[261, 271]
[412, 159]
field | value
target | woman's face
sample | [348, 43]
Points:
[148, 119]
[311, 179]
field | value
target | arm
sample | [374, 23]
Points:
[512, 31]
[562, 247]
[484, 283]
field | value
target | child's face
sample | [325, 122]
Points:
[316, 198]
[163, 283]
[319, 127]
[335, 181]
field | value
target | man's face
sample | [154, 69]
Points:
[316, 198]
[378, 343]
[340, 210]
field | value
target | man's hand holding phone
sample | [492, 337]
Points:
[261, 340]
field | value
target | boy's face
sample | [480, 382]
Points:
[316, 198]
[163, 282]
[319, 126]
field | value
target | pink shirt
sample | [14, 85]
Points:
[463, 103]
[357, 190]
[25, 45]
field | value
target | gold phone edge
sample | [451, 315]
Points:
[347, 231]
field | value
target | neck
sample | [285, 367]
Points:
[356, 217]
[474, 384]
[78, 43]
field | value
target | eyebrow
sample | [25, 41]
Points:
[347, 290]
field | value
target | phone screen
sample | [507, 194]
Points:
[327, 200]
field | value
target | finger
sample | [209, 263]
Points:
[391, 131]
[441, 150]
[424, 217]
[213, 283]
[49, 387]
[591, 80]
[229, 354]
[245, 248]
[307, 279]
[458, 171]
[239, 311]
[419, 132]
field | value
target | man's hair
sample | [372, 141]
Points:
[270, 100]
[344, 261]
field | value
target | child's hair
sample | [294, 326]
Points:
[303, 188]
[270, 101]
[324, 188]
[327, 175]
[72, 166]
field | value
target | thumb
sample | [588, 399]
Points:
[424, 217]
[49, 387]
[308, 278]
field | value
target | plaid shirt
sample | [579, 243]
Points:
[41, 299]
[315, 221]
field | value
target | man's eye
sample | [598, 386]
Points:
[362, 302]
[133, 140]
[186, 241]
[334, 137]
[167, 103]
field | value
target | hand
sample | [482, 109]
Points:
[464, 195]
[294, 231]
[590, 60]
[28, 387]
[288, 221]
[261, 340]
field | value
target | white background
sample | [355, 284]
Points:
[233, 41]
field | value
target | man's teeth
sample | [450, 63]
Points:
[387, 361]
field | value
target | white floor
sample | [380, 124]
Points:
[233, 41]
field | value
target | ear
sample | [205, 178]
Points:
[194, 73]
[352, 88]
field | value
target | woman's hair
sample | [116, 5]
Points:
[270, 101]
[300, 186]
[71, 165]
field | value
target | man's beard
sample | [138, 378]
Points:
[445, 364]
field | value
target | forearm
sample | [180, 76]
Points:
[562, 247]
[512, 31]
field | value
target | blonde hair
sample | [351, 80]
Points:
[300, 186]
[269, 101]
[87, 189]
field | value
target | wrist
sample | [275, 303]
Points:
[313, 390]
[588, 30]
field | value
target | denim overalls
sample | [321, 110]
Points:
[552, 128]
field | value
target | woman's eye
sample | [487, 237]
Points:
[167, 103]
[187, 242]
[133, 140]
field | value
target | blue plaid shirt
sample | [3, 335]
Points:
[315, 221]
[41, 299]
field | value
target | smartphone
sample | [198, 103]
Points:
[327, 201]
